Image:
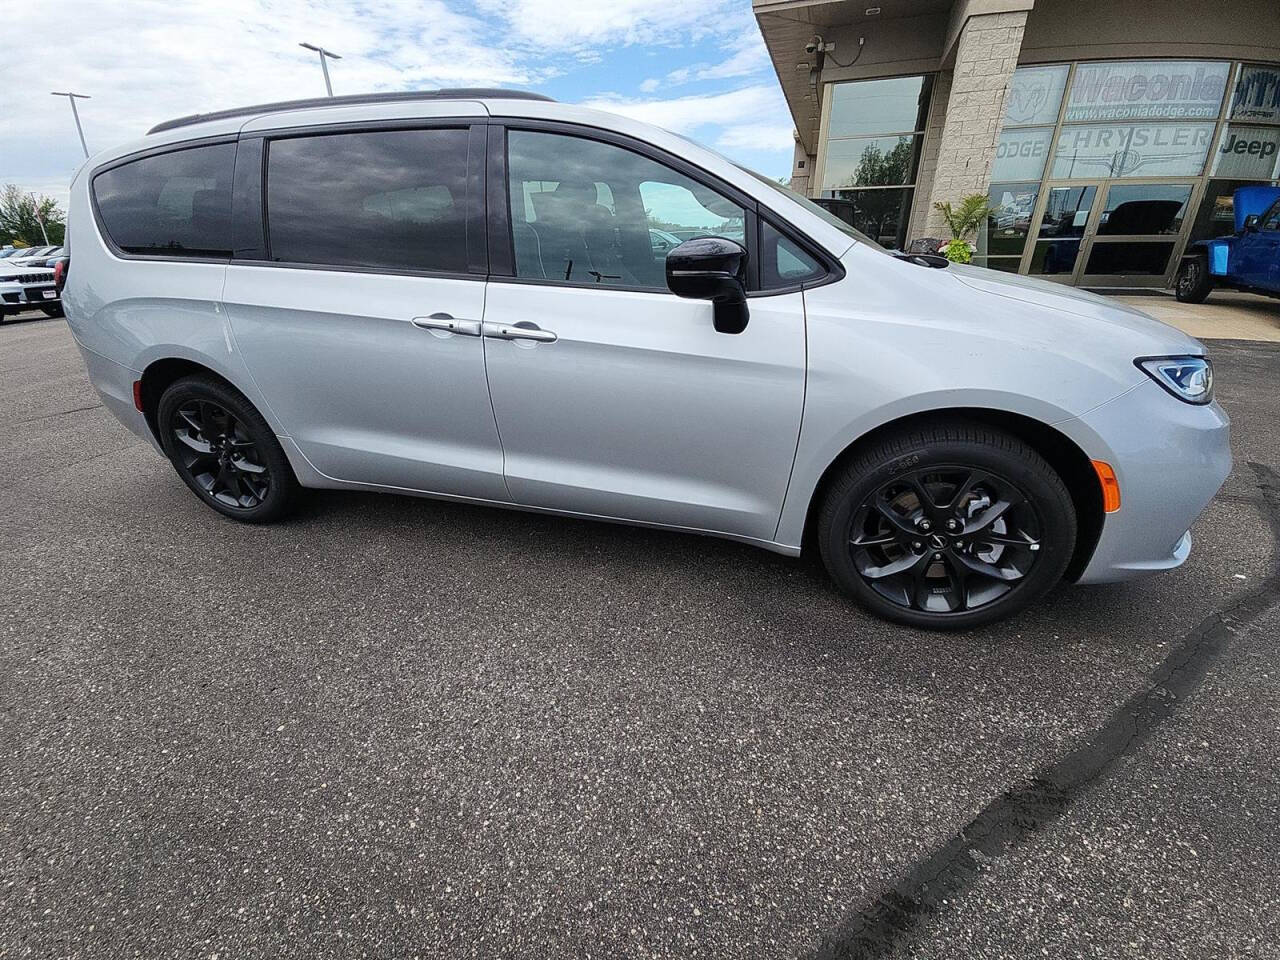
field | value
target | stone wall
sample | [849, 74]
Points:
[986, 56]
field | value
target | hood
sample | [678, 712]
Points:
[1060, 298]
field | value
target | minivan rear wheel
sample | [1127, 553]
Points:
[947, 526]
[224, 451]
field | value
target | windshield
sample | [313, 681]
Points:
[815, 209]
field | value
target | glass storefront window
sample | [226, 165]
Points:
[1216, 216]
[1009, 219]
[1147, 90]
[1035, 96]
[1247, 152]
[877, 107]
[1021, 153]
[1257, 94]
[1102, 151]
[870, 162]
[880, 214]
[1057, 246]
[1055, 257]
[1144, 209]
[1151, 259]
[1067, 211]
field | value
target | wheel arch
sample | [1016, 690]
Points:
[1062, 453]
[160, 374]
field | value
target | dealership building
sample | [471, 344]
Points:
[1108, 134]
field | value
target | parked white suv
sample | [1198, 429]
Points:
[27, 288]
[459, 295]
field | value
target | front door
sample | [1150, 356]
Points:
[1134, 234]
[624, 401]
[1110, 232]
[362, 327]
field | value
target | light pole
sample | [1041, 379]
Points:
[39, 219]
[71, 97]
[323, 66]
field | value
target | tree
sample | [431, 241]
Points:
[21, 215]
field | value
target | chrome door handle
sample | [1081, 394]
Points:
[518, 331]
[443, 321]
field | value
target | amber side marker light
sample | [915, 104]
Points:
[1110, 485]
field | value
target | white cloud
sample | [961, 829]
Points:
[757, 136]
[745, 54]
[149, 60]
[145, 61]
[749, 56]
[686, 114]
[578, 24]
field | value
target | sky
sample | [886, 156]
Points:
[698, 67]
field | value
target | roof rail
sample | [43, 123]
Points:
[453, 93]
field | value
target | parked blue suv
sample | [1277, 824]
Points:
[1247, 260]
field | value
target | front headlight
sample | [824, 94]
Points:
[1187, 378]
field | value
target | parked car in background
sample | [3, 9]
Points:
[32, 255]
[456, 294]
[47, 259]
[1248, 260]
[28, 288]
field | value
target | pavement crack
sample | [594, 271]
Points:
[1018, 815]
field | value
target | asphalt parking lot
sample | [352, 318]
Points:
[398, 728]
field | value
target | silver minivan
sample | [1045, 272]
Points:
[459, 294]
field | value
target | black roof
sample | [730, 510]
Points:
[454, 93]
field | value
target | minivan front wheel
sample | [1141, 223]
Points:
[224, 451]
[948, 526]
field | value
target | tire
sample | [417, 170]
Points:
[1194, 281]
[947, 526]
[224, 451]
[53, 310]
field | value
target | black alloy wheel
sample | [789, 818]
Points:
[947, 526]
[214, 448]
[224, 451]
[945, 539]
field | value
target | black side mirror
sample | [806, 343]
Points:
[1251, 223]
[715, 269]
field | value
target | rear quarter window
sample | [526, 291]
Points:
[174, 204]
[389, 199]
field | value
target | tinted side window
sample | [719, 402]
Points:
[174, 204]
[1271, 219]
[784, 263]
[595, 213]
[395, 199]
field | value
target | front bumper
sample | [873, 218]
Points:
[27, 296]
[1170, 458]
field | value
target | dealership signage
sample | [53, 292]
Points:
[1132, 150]
[1035, 95]
[1257, 95]
[1147, 90]
[1020, 154]
[1247, 153]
